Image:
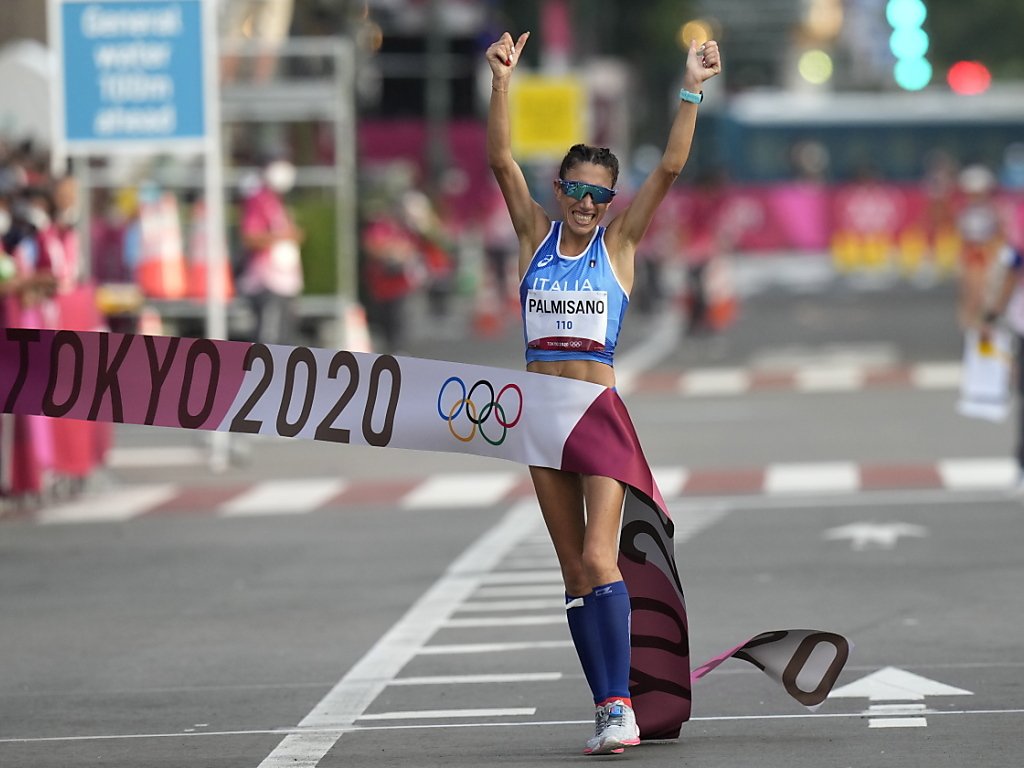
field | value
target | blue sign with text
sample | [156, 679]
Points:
[132, 71]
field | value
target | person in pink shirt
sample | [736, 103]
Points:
[272, 275]
[64, 232]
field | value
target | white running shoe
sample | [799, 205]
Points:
[600, 718]
[615, 729]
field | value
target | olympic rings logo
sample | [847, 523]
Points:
[490, 411]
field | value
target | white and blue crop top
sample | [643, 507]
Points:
[572, 306]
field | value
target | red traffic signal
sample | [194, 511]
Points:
[968, 78]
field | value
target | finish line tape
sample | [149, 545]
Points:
[399, 402]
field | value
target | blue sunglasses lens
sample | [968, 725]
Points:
[579, 189]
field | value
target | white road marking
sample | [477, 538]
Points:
[134, 457]
[531, 563]
[869, 533]
[897, 709]
[113, 506]
[690, 522]
[358, 688]
[715, 381]
[525, 590]
[791, 357]
[898, 722]
[496, 606]
[467, 489]
[435, 714]
[816, 502]
[975, 474]
[810, 478]
[895, 684]
[670, 480]
[506, 621]
[461, 648]
[936, 375]
[511, 677]
[522, 577]
[833, 378]
[282, 497]
[336, 732]
[796, 482]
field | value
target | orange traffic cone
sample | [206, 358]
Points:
[357, 331]
[198, 263]
[161, 269]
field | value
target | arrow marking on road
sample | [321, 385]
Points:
[882, 535]
[896, 685]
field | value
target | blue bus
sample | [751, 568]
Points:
[763, 136]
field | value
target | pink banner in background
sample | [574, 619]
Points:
[805, 217]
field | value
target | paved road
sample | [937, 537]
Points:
[370, 634]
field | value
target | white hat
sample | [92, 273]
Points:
[977, 179]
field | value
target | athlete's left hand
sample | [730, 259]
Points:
[702, 64]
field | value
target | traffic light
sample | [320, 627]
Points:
[968, 78]
[909, 43]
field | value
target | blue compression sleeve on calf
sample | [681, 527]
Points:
[611, 609]
[581, 614]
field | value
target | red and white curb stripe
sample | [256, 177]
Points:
[718, 382]
[464, 490]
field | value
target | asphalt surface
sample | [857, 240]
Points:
[345, 639]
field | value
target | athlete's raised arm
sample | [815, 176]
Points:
[629, 227]
[528, 217]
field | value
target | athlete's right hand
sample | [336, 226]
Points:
[503, 55]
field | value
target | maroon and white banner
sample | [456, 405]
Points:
[400, 402]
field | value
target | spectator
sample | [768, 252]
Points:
[501, 246]
[982, 234]
[38, 254]
[707, 242]
[65, 232]
[112, 214]
[392, 271]
[40, 287]
[421, 221]
[662, 245]
[940, 182]
[272, 274]
[10, 281]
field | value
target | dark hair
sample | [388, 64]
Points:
[584, 153]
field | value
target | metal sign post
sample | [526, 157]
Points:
[216, 256]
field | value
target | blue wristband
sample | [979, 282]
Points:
[693, 98]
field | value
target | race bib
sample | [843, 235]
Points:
[566, 320]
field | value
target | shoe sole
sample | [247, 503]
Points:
[612, 747]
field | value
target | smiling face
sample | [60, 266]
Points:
[582, 216]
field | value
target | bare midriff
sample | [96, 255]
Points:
[584, 370]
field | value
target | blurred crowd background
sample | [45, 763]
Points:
[879, 137]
